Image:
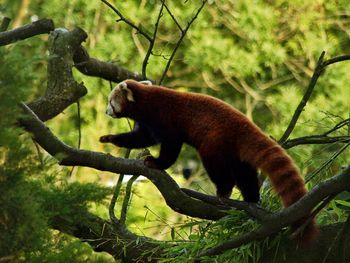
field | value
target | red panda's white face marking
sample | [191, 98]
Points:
[118, 97]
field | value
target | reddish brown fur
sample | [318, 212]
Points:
[230, 145]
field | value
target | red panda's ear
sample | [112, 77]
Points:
[128, 92]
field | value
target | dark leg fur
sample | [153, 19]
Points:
[138, 138]
[226, 173]
[220, 173]
[247, 182]
[169, 151]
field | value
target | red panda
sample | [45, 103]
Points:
[231, 147]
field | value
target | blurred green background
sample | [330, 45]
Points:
[257, 55]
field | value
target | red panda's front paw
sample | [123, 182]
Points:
[150, 162]
[106, 138]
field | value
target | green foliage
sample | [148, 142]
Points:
[204, 235]
[257, 55]
[32, 190]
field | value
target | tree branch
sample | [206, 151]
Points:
[251, 209]
[320, 67]
[101, 235]
[62, 89]
[152, 41]
[317, 72]
[320, 138]
[127, 21]
[106, 70]
[5, 24]
[42, 26]
[275, 222]
[183, 34]
[127, 199]
[315, 139]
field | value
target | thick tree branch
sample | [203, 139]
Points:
[42, 26]
[273, 223]
[105, 236]
[62, 89]
[106, 70]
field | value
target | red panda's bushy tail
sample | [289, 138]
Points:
[286, 181]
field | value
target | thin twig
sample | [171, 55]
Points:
[5, 24]
[40, 155]
[183, 34]
[127, 21]
[317, 72]
[79, 133]
[320, 67]
[173, 17]
[127, 199]
[116, 192]
[335, 60]
[315, 139]
[339, 125]
[153, 40]
[309, 177]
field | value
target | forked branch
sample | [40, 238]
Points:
[320, 67]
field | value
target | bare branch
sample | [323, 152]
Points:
[275, 222]
[315, 139]
[320, 67]
[62, 89]
[42, 26]
[251, 209]
[114, 199]
[116, 194]
[173, 18]
[151, 44]
[106, 70]
[5, 24]
[101, 235]
[339, 125]
[127, 199]
[309, 177]
[317, 72]
[183, 34]
[127, 21]
[335, 60]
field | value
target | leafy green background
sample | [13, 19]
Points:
[256, 55]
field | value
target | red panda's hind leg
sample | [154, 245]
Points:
[219, 171]
[247, 182]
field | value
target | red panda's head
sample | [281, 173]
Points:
[121, 98]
